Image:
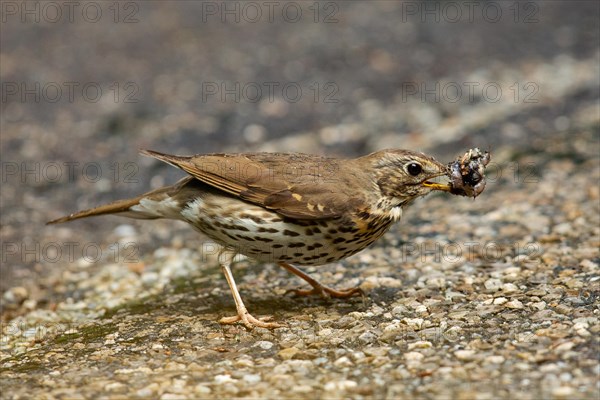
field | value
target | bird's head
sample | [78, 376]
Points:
[404, 175]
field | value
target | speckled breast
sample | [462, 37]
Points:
[266, 236]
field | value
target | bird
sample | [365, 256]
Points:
[291, 209]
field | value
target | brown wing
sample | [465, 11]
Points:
[296, 186]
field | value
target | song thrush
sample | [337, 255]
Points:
[294, 208]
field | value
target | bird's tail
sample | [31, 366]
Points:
[159, 203]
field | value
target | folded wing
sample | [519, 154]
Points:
[296, 186]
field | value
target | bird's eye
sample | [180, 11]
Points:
[414, 169]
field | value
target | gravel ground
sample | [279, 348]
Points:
[471, 299]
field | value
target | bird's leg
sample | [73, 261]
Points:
[225, 259]
[319, 288]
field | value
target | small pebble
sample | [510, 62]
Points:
[465, 355]
[265, 345]
[493, 284]
[515, 304]
[563, 392]
[413, 356]
[251, 378]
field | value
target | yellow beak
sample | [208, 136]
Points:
[437, 186]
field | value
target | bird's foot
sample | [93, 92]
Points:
[250, 322]
[318, 288]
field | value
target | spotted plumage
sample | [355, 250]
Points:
[286, 208]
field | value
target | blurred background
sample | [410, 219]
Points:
[110, 306]
[85, 86]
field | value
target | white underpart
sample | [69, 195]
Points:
[266, 236]
[197, 210]
[166, 208]
[390, 207]
[202, 212]
[396, 213]
[194, 211]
